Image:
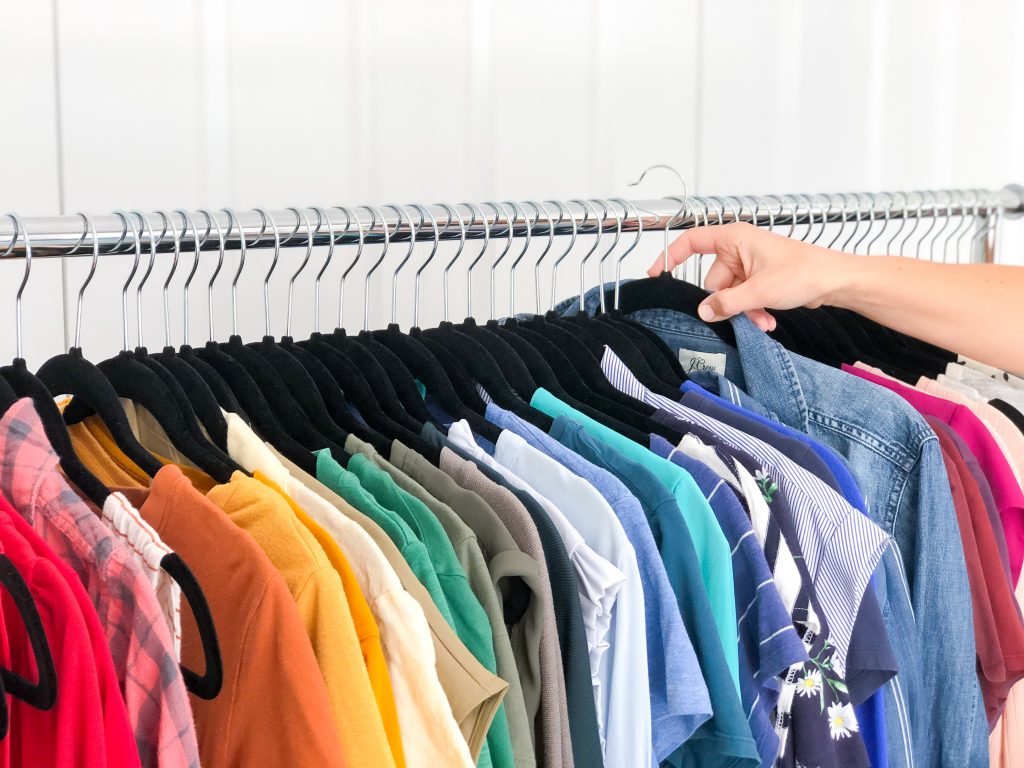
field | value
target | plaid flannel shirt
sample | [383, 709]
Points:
[137, 635]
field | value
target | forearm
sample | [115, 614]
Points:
[975, 310]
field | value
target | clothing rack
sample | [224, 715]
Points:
[59, 236]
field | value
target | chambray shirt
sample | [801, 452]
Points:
[898, 465]
[679, 701]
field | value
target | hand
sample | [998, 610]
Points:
[756, 270]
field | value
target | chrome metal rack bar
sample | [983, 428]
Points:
[58, 236]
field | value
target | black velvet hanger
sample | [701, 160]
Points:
[399, 376]
[209, 684]
[347, 375]
[837, 339]
[540, 369]
[461, 380]
[301, 386]
[665, 292]
[663, 361]
[221, 391]
[587, 391]
[251, 397]
[333, 396]
[415, 353]
[281, 400]
[382, 389]
[586, 362]
[575, 391]
[884, 348]
[24, 384]
[7, 396]
[626, 350]
[169, 406]
[204, 403]
[186, 398]
[485, 371]
[42, 694]
[512, 366]
[71, 374]
[805, 340]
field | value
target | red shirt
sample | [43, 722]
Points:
[998, 626]
[88, 724]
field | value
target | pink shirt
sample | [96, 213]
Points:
[1005, 489]
[1004, 432]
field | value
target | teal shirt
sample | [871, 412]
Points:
[713, 552]
[470, 620]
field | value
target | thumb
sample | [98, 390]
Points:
[727, 302]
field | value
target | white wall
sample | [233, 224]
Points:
[139, 104]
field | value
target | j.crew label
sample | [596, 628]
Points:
[695, 362]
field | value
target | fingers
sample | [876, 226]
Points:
[762, 319]
[727, 302]
[699, 240]
[721, 275]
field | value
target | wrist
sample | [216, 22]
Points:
[843, 279]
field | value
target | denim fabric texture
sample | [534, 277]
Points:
[896, 460]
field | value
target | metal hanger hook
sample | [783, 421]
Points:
[886, 215]
[273, 265]
[188, 223]
[547, 247]
[361, 235]
[303, 219]
[242, 245]
[176, 237]
[137, 245]
[453, 212]
[413, 231]
[568, 248]
[611, 248]
[154, 242]
[220, 263]
[425, 212]
[90, 229]
[682, 206]
[510, 232]
[383, 254]
[19, 228]
[526, 247]
[325, 218]
[618, 262]
[477, 211]
[589, 208]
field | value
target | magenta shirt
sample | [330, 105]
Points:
[1007, 493]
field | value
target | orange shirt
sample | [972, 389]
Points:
[273, 708]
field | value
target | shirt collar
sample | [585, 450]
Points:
[26, 451]
[251, 452]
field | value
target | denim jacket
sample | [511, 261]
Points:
[897, 462]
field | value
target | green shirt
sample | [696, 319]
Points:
[347, 485]
[483, 596]
[713, 552]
